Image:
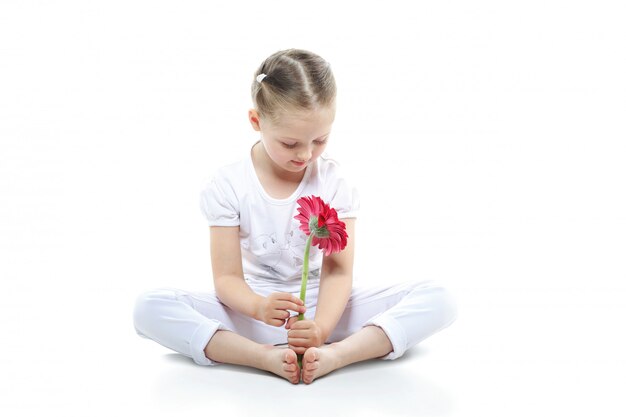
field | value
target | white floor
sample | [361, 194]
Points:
[513, 352]
[487, 142]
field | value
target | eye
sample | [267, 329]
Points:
[292, 146]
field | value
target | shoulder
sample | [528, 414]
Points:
[338, 190]
[230, 172]
[329, 167]
[230, 176]
[225, 183]
[219, 199]
[333, 174]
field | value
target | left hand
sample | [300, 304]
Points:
[303, 334]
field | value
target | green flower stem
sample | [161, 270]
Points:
[305, 277]
[305, 272]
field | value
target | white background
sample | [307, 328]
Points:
[487, 140]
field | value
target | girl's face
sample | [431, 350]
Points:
[297, 140]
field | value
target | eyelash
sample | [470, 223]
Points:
[286, 145]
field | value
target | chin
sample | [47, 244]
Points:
[296, 169]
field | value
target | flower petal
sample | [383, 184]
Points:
[317, 217]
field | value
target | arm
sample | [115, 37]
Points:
[335, 284]
[230, 286]
[232, 289]
[334, 292]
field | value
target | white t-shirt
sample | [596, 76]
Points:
[272, 244]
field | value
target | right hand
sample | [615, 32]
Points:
[273, 309]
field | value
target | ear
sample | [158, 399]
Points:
[253, 117]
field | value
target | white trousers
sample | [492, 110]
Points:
[185, 322]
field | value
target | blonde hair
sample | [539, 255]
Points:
[295, 79]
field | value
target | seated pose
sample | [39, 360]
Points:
[257, 251]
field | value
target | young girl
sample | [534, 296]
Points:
[257, 251]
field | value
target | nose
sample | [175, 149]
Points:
[305, 154]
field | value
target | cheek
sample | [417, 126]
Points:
[282, 153]
[319, 150]
[276, 152]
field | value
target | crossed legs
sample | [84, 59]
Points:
[228, 347]
[199, 326]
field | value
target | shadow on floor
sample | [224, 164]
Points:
[370, 387]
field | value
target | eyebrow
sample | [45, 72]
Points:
[285, 137]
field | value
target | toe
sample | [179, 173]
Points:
[311, 355]
[312, 366]
[290, 357]
[295, 378]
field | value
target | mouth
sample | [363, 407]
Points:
[299, 164]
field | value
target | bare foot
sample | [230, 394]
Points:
[318, 362]
[282, 362]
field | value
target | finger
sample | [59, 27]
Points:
[298, 334]
[288, 305]
[285, 296]
[296, 300]
[280, 315]
[291, 321]
[298, 349]
[276, 322]
[282, 295]
[301, 325]
[298, 341]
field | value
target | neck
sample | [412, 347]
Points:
[265, 163]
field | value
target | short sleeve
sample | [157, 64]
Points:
[343, 195]
[218, 203]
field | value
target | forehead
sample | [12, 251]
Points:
[305, 124]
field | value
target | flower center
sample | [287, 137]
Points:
[321, 221]
[317, 226]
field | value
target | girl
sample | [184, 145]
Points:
[257, 250]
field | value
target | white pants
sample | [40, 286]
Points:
[185, 322]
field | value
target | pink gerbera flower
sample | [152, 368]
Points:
[319, 220]
[324, 229]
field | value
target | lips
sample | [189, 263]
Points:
[300, 164]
